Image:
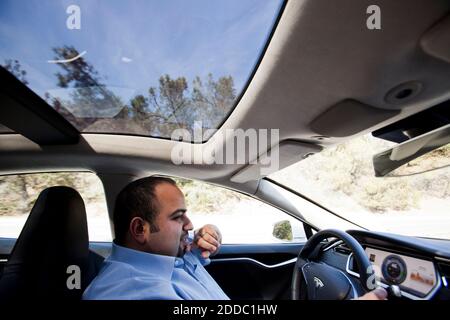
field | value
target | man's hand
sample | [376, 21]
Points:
[377, 294]
[208, 239]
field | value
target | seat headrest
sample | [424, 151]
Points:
[54, 237]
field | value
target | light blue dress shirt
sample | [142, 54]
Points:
[129, 274]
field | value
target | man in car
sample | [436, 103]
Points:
[151, 257]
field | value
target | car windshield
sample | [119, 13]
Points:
[412, 200]
[137, 67]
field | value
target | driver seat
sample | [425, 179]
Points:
[55, 236]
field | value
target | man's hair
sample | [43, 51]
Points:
[137, 199]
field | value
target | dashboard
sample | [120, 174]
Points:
[419, 267]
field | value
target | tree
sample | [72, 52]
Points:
[169, 106]
[282, 230]
[139, 108]
[91, 98]
[213, 100]
[14, 67]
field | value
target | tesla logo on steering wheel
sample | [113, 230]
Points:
[318, 282]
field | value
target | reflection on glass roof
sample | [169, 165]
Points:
[136, 67]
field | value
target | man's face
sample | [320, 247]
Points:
[172, 222]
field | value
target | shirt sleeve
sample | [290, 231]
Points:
[197, 256]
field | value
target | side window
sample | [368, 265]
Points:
[241, 219]
[19, 192]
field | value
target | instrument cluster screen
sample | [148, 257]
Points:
[415, 276]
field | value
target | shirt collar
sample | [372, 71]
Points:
[144, 261]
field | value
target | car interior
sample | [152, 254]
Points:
[321, 78]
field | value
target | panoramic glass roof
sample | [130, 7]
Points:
[136, 67]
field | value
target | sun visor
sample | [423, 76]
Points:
[349, 117]
[436, 41]
[282, 155]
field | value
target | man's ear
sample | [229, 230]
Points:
[139, 229]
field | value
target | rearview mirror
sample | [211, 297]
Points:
[391, 159]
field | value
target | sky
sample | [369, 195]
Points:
[132, 43]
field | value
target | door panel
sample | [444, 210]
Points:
[255, 271]
[6, 246]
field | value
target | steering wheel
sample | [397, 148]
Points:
[316, 280]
